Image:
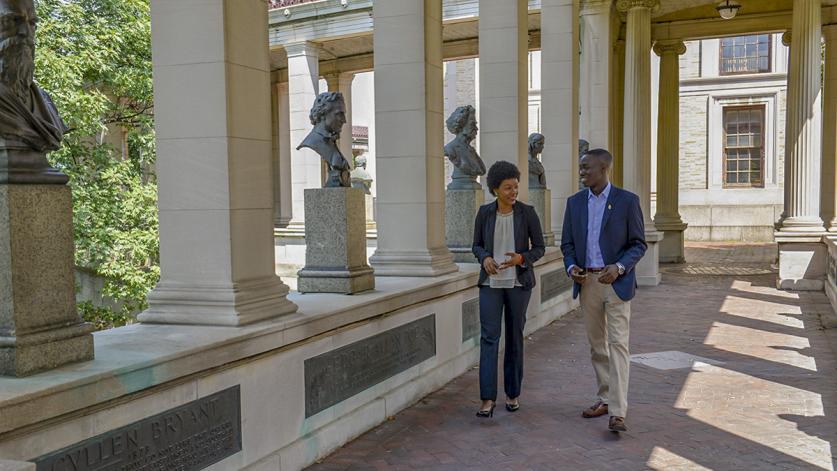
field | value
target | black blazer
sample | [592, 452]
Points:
[527, 228]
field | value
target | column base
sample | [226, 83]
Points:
[808, 225]
[461, 206]
[350, 281]
[229, 304]
[802, 261]
[430, 262]
[23, 355]
[648, 268]
[672, 247]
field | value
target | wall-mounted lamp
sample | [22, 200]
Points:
[727, 9]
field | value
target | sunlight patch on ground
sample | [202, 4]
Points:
[734, 402]
[747, 287]
[766, 311]
[671, 360]
[761, 344]
[664, 460]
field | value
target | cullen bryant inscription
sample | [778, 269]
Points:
[190, 437]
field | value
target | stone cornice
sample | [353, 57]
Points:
[625, 5]
[307, 48]
[669, 46]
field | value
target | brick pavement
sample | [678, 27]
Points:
[770, 405]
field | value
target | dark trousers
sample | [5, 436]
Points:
[493, 302]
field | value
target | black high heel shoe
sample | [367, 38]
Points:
[484, 414]
[512, 407]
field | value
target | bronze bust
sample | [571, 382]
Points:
[29, 122]
[468, 164]
[537, 174]
[328, 115]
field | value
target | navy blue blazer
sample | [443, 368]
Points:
[622, 236]
[527, 228]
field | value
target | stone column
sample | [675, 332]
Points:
[668, 218]
[595, 73]
[282, 194]
[409, 150]
[801, 255]
[342, 82]
[829, 144]
[617, 111]
[637, 134]
[559, 102]
[215, 186]
[303, 88]
[504, 92]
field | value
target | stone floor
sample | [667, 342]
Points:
[761, 396]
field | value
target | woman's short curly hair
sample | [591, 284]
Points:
[499, 171]
[456, 121]
[322, 105]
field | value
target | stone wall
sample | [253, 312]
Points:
[693, 132]
[306, 383]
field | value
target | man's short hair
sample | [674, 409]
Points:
[322, 105]
[604, 156]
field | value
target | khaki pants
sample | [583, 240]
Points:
[608, 325]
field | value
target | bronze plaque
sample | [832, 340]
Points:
[337, 375]
[554, 283]
[470, 319]
[189, 437]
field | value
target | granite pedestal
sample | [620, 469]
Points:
[803, 259]
[40, 328]
[335, 236]
[541, 200]
[648, 267]
[672, 247]
[461, 207]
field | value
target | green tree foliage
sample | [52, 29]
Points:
[94, 58]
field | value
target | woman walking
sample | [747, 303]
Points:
[508, 240]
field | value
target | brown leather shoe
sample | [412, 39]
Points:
[596, 410]
[617, 424]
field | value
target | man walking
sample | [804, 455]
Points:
[603, 238]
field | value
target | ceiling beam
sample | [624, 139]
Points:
[451, 50]
[740, 25]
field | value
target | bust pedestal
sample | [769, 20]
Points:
[40, 328]
[335, 235]
[541, 200]
[461, 205]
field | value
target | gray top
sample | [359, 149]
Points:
[503, 244]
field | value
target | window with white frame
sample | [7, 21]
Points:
[744, 146]
[745, 55]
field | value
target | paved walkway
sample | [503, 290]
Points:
[763, 395]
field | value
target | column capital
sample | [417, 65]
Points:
[302, 48]
[669, 46]
[626, 5]
[593, 7]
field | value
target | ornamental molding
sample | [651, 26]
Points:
[670, 46]
[626, 5]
